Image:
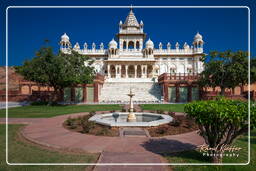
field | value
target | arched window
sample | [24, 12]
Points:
[124, 45]
[137, 45]
[131, 45]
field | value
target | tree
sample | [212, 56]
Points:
[225, 70]
[57, 71]
[253, 70]
[221, 121]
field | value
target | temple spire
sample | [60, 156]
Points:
[131, 20]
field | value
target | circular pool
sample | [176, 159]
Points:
[119, 119]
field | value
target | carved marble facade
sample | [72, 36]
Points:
[130, 57]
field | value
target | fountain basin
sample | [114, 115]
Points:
[119, 119]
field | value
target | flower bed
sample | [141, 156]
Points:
[82, 125]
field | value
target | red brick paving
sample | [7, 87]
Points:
[50, 132]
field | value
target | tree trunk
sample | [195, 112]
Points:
[222, 92]
[55, 95]
[241, 89]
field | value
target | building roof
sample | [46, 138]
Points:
[131, 20]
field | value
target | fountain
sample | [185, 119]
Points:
[131, 118]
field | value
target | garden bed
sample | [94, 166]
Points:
[82, 125]
[181, 124]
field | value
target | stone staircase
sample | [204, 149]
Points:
[117, 92]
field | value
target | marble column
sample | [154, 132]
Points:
[142, 71]
[135, 71]
[116, 67]
[108, 71]
[146, 71]
[126, 71]
[120, 71]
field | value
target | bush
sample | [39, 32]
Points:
[161, 130]
[87, 126]
[221, 121]
[39, 103]
[175, 122]
[92, 113]
[160, 111]
[71, 122]
[103, 131]
[53, 103]
[172, 114]
[123, 110]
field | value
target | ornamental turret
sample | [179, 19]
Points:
[112, 48]
[65, 43]
[198, 42]
[148, 51]
[76, 47]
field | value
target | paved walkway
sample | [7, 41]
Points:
[50, 132]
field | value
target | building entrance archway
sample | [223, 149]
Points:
[112, 71]
[131, 71]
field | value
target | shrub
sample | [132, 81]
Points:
[87, 126]
[161, 130]
[39, 103]
[103, 131]
[54, 103]
[71, 122]
[172, 114]
[123, 110]
[221, 121]
[175, 122]
[92, 113]
[160, 111]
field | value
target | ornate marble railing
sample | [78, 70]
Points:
[177, 51]
[137, 51]
[130, 31]
[178, 76]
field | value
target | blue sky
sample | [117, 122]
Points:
[222, 29]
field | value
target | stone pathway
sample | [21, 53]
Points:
[21, 120]
[133, 132]
[127, 149]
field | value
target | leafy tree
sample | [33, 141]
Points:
[225, 70]
[253, 70]
[57, 71]
[221, 121]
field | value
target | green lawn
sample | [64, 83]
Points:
[21, 152]
[196, 157]
[166, 107]
[43, 111]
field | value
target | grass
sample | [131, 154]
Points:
[197, 157]
[23, 152]
[43, 111]
[165, 107]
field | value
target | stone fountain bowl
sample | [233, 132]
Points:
[119, 119]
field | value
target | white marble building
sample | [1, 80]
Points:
[133, 57]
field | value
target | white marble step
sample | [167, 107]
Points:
[118, 91]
